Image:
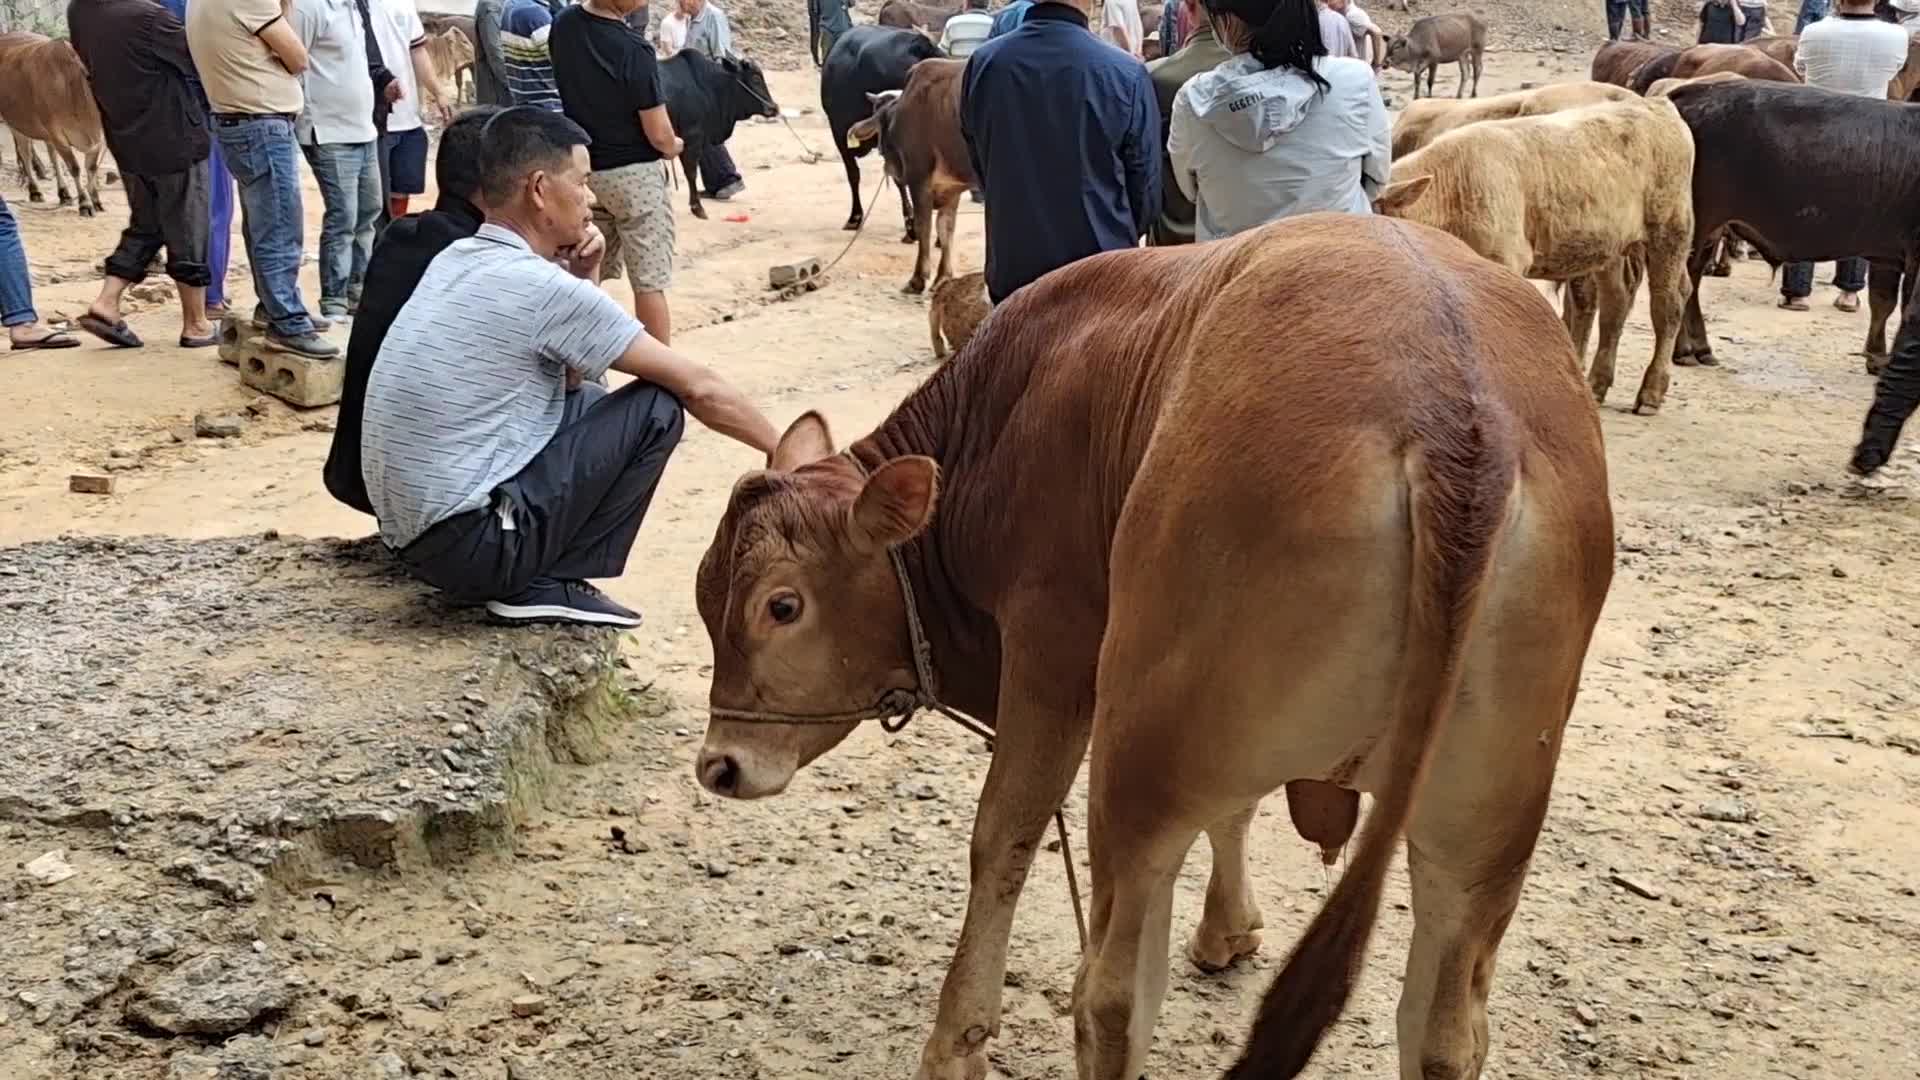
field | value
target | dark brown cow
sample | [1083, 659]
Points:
[919, 133]
[1130, 519]
[1699, 60]
[44, 95]
[1617, 61]
[909, 14]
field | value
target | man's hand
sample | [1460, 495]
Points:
[395, 91]
[679, 146]
[583, 259]
[574, 379]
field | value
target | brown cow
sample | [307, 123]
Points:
[1781, 47]
[1691, 63]
[452, 54]
[1583, 197]
[44, 95]
[1367, 551]
[1425, 120]
[1617, 61]
[919, 133]
[908, 14]
[1441, 39]
[955, 311]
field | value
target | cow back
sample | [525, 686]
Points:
[1617, 61]
[867, 60]
[1446, 37]
[922, 136]
[1736, 59]
[44, 92]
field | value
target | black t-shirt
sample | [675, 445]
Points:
[607, 74]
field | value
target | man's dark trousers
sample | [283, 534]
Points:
[573, 513]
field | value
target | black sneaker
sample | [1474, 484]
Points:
[321, 324]
[563, 601]
[311, 346]
[729, 191]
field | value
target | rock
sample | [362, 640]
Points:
[387, 1066]
[789, 948]
[529, 1005]
[445, 954]
[217, 426]
[435, 1000]
[1635, 886]
[1797, 488]
[51, 868]
[405, 952]
[159, 944]
[260, 406]
[476, 926]
[521, 1069]
[1586, 1015]
[314, 1036]
[1722, 1012]
[214, 994]
[1728, 810]
[716, 868]
[250, 1057]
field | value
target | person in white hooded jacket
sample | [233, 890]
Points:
[1279, 128]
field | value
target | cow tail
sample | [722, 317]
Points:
[1457, 495]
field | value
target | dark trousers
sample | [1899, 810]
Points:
[169, 211]
[716, 168]
[1617, 11]
[1796, 281]
[573, 513]
[1717, 28]
[1895, 396]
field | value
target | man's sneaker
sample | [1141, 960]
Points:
[321, 324]
[563, 601]
[729, 191]
[311, 346]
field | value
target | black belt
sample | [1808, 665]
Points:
[229, 119]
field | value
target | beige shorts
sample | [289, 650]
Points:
[635, 211]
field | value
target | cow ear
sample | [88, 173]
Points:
[876, 100]
[807, 440]
[896, 504]
[1394, 199]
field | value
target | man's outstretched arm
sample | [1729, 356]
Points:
[712, 400]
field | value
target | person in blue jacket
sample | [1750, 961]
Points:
[1064, 133]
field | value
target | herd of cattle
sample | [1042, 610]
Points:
[1640, 175]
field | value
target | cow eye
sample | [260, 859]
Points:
[784, 607]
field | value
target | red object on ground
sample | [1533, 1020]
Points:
[738, 219]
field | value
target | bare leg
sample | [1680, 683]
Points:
[193, 312]
[651, 309]
[107, 304]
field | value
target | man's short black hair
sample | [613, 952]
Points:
[457, 169]
[520, 140]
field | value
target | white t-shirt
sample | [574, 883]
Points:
[673, 33]
[966, 32]
[339, 95]
[1853, 56]
[1361, 24]
[1123, 17]
[397, 30]
[1337, 34]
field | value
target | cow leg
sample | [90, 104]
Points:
[906, 213]
[1460, 88]
[23, 146]
[1723, 257]
[1230, 923]
[1433, 72]
[949, 215]
[852, 164]
[62, 154]
[923, 233]
[93, 178]
[1479, 65]
[1692, 344]
[1614, 293]
[690, 164]
[1579, 299]
[1883, 288]
[1668, 291]
[1041, 739]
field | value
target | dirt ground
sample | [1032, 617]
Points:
[1746, 749]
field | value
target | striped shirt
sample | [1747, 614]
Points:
[524, 26]
[471, 382]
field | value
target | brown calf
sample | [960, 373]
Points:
[909, 14]
[44, 95]
[1441, 39]
[955, 311]
[1369, 552]
[1425, 120]
[919, 133]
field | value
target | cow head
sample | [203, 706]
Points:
[1398, 199]
[803, 607]
[1400, 53]
[750, 93]
[875, 128]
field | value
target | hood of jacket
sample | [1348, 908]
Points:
[1248, 105]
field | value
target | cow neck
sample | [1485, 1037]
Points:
[960, 636]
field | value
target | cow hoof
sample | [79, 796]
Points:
[66, 200]
[909, 238]
[1684, 360]
[1720, 270]
[1213, 954]
[34, 196]
[915, 286]
[852, 225]
[1600, 394]
[1876, 363]
[700, 212]
[86, 210]
[1645, 408]
[1706, 359]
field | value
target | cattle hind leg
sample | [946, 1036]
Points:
[62, 153]
[690, 164]
[1883, 291]
[1668, 291]
[913, 232]
[23, 146]
[923, 234]
[949, 215]
[858, 214]
[92, 189]
[1230, 923]
[1613, 290]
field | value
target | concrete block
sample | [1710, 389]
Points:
[296, 380]
[779, 277]
[237, 335]
[90, 484]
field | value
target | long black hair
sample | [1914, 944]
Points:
[1286, 33]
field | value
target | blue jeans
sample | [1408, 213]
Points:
[220, 234]
[16, 288]
[349, 176]
[265, 160]
[1849, 275]
[1811, 11]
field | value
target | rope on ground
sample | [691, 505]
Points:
[862, 227]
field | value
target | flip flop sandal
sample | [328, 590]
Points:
[1793, 305]
[207, 342]
[114, 334]
[1846, 305]
[59, 339]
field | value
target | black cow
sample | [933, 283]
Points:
[867, 60]
[705, 98]
[1838, 176]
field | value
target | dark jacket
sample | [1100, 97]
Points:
[143, 81]
[1202, 52]
[1065, 138]
[399, 261]
[489, 64]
